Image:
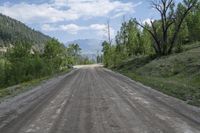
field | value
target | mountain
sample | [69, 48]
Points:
[88, 46]
[12, 31]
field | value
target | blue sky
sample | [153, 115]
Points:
[76, 19]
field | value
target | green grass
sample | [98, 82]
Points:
[17, 89]
[14, 90]
[20, 88]
[177, 75]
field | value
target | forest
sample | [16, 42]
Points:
[13, 31]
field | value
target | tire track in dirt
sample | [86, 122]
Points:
[92, 99]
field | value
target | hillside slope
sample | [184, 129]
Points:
[177, 75]
[12, 31]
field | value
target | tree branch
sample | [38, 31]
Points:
[152, 34]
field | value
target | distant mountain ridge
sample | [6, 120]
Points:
[88, 46]
[13, 31]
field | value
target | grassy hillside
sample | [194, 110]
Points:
[12, 31]
[177, 75]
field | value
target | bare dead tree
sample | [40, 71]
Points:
[108, 30]
[164, 45]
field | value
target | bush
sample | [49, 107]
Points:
[23, 65]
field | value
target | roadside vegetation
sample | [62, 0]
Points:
[163, 53]
[177, 75]
[22, 66]
[27, 57]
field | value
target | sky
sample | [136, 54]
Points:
[69, 20]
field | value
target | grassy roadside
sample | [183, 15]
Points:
[20, 88]
[177, 75]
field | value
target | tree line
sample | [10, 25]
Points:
[178, 25]
[21, 63]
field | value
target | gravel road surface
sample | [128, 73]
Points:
[92, 99]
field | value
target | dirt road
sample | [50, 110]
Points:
[92, 99]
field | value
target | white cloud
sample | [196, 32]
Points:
[99, 29]
[102, 30]
[32, 13]
[98, 26]
[47, 27]
[117, 15]
[147, 21]
[63, 10]
[60, 2]
[71, 28]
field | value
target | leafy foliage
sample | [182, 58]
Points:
[177, 27]
[171, 20]
[193, 22]
[21, 63]
[130, 41]
[177, 75]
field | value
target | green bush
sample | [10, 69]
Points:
[23, 65]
